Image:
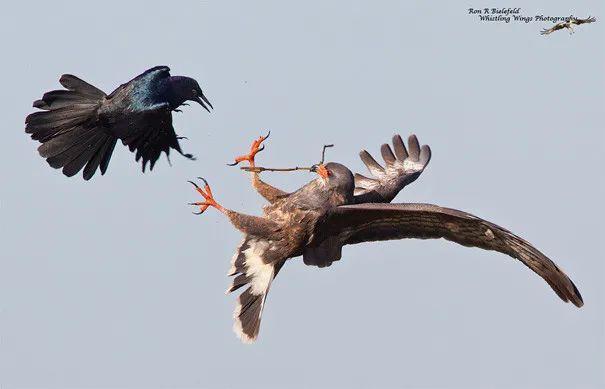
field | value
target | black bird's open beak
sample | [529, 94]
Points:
[201, 100]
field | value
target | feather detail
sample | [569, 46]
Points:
[249, 268]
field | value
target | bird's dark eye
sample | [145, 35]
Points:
[194, 92]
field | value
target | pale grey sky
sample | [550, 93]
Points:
[113, 283]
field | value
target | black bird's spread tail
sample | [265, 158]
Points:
[68, 128]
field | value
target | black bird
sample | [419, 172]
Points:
[79, 126]
[339, 209]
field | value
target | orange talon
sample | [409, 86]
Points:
[207, 195]
[255, 148]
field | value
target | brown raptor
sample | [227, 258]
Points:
[339, 208]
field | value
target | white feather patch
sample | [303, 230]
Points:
[232, 269]
[359, 191]
[237, 326]
[260, 273]
[489, 234]
[260, 276]
[409, 165]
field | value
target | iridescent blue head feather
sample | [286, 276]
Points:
[187, 89]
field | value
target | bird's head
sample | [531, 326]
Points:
[188, 89]
[335, 176]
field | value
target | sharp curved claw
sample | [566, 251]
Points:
[194, 184]
[260, 149]
[206, 193]
[193, 212]
[232, 164]
[267, 136]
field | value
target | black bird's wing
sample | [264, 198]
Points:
[351, 224]
[148, 130]
[155, 135]
[401, 168]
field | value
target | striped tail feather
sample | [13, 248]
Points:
[68, 129]
[249, 269]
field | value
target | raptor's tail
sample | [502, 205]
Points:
[249, 268]
[68, 128]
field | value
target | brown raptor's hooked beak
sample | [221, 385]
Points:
[321, 170]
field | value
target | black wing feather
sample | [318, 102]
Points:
[155, 136]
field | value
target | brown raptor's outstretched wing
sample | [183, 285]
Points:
[352, 224]
[401, 168]
[554, 28]
[590, 19]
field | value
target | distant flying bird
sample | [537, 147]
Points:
[79, 127]
[568, 24]
[338, 209]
